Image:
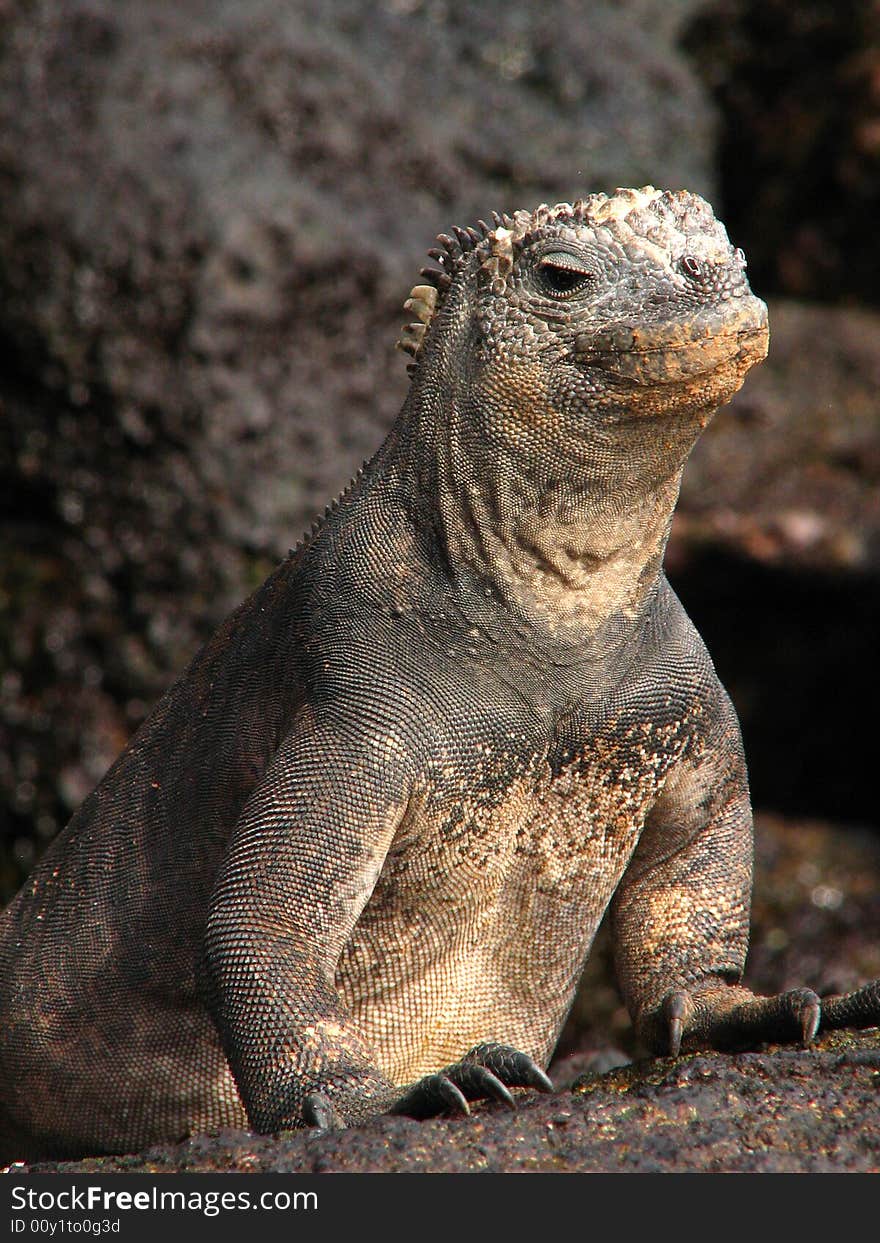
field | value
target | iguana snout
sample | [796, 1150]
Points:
[669, 352]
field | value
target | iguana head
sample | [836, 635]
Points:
[565, 362]
[613, 307]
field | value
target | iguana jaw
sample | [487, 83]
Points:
[733, 337]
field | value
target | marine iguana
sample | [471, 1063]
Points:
[355, 859]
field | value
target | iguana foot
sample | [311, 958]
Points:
[727, 1016]
[860, 1008]
[487, 1072]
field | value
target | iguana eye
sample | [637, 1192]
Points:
[561, 275]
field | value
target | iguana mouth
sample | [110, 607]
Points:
[676, 351]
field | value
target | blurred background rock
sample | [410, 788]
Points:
[210, 214]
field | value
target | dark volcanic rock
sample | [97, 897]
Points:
[798, 87]
[788, 475]
[780, 1111]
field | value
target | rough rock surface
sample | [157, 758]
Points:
[778, 1111]
[789, 475]
[798, 88]
[817, 919]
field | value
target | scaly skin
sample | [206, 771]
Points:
[355, 859]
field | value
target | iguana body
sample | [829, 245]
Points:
[378, 820]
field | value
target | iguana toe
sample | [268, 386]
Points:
[860, 1008]
[487, 1072]
[318, 1111]
[515, 1069]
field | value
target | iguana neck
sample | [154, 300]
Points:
[568, 554]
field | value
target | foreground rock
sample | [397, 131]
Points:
[783, 1111]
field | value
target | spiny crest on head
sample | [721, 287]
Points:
[594, 210]
[497, 242]
[424, 299]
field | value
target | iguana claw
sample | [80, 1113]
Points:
[487, 1071]
[318, 1111]
[675, 1008]
[490, 1085]
[811, 1012]
[513, 1068]
[430, 1096]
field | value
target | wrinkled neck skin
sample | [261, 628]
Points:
[572, 539]
[565, 554]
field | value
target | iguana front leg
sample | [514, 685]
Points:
[681, 912]
[300, 867]
[302, 864]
